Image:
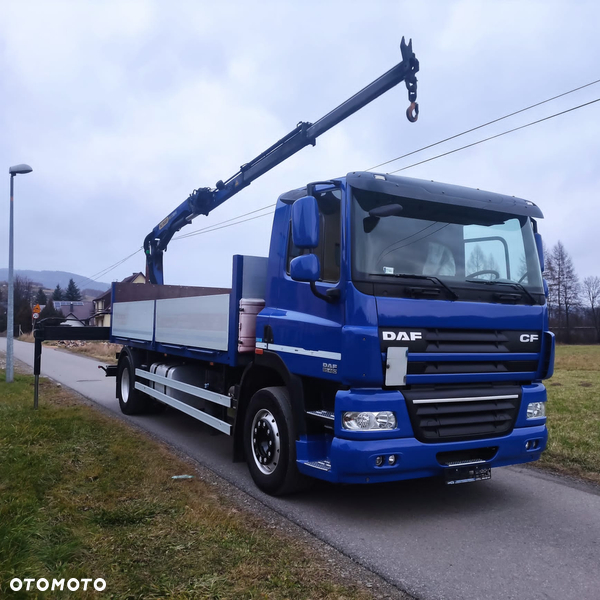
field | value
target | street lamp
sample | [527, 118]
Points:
[10, 326]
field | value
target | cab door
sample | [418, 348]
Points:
[306, 329]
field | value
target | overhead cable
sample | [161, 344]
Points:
[452, 137]
[492, 137]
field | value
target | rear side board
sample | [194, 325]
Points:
[202, 323]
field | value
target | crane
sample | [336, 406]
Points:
[204, 200]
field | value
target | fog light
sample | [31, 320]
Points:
[392, 460]
[379, 461]
[536, 410]
[369, 421]
[528, 445]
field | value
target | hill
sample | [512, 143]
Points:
[49, 279]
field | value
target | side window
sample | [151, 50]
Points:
[329, 248]
[496, 251]
[486, 256]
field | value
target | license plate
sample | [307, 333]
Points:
[467, 473]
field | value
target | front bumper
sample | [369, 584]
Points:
[354, 461]
[350, 457]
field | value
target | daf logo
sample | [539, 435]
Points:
[407, 336]
[529, 337]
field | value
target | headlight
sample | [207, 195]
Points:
[369, 421]
[536, 410]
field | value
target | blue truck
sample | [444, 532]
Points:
[397, 329]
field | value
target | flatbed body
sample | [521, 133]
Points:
[185, 321]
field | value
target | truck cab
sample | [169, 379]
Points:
[408, 320]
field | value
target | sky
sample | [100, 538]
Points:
[123, 108]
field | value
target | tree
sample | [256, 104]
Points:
[564, 287]
[591, 293]
[40, 297]
[52, 316]
[57, 294]
[72, 293]
[478, 262]
[22, 298]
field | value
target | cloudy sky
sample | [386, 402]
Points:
[123, 108]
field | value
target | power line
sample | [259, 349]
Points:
[512, 114]
[492, 137]
[198, 231]
[107, 270]
[215, 228]
[111, 267]
[208, 229]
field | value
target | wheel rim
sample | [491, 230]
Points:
[125, 385]
[266, 446]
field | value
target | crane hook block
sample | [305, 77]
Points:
[412, 112]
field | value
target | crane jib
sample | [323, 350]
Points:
[203, 200]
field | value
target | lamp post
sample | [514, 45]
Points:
[10, 326]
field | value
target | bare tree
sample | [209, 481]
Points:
[479, 262]
[564, 287]
[591, 293]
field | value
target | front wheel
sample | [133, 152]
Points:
[270, 443]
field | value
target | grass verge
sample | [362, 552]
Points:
[103, 351]
[84, 496]
[573, 412]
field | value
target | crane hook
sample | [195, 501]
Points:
[412, 112]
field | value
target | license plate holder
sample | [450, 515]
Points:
[467, 474]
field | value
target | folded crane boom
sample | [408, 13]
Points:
[203, 200]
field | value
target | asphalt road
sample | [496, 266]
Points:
[524, 534]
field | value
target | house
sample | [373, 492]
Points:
[102, 304]
[76, 313]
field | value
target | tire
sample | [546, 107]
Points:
[270, 443]
[131, 401]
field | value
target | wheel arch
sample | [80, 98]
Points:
[269, 370]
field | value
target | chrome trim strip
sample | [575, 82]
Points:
[472, 399]
[304, 352]
[465, 463]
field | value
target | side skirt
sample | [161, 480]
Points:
[182, 406]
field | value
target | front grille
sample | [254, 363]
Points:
[451, 413]
[457, 341]
[445, 368]
[461, 340]
[447, 353]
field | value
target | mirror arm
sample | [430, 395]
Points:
[332, 295]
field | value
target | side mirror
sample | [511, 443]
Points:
[305, 268]
[540, 249]
[546, 288]
[305, 223]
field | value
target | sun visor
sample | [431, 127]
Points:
[430, 191]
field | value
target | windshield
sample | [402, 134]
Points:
[463, 247]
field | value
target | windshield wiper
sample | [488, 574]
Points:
[439, 282]
[519, 286]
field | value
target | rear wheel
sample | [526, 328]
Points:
[270, 443]
[131, 401]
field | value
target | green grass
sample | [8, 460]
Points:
[573, 412]
[84, 496]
